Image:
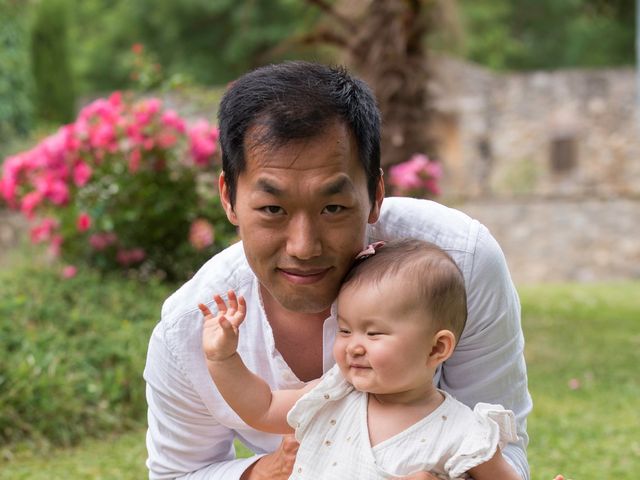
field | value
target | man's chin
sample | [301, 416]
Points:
[308, 305]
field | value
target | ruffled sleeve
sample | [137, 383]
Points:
[332, 387]
[493, 427]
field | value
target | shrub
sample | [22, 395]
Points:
[72, 354]
[128, 185]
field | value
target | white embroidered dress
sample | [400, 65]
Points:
[331, 426]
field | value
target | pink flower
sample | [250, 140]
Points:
[137, 48]
[129, 257]
[55, 245]
[148, 143]
[415, 175]
[30, 202]
[202, 140]
[84, 222]
[145, 110]
[58, 192]
[8, 188]
[134, 160]
[102, 136]
[69, 271]
[101, 241]
[166, 140]
[42, 232]
[171, 119]
[81, 173]
[201, 234]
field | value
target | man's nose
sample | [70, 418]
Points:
[303, 238]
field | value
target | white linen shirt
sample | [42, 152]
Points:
[191, 428]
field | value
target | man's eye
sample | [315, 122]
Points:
[272, 210]
[333, 209]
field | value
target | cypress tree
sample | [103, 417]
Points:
[54, 91]
[15, 103]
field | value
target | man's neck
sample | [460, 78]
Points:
[298, 337]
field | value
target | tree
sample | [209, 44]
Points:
[385, 42]
[546, 34]
[15, 105]
[209, 42]
[55, 97]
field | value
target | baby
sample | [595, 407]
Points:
[377, 413]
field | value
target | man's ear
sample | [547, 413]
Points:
[226, 200]
[374, 214]
[444, 341]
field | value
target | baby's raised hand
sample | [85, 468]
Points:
[220, 331]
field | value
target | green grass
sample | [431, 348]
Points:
[584, 336]
[72, 353]
[583, 352]
[114, 458]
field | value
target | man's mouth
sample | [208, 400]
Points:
[304, 276]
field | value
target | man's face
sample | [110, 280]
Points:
[302, 211]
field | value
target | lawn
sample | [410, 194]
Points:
[583, 351]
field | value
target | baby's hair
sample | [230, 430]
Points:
[432, 273]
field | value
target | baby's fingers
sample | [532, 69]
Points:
[222, 307]
[233, 302]
[242, 307]
[205, 310]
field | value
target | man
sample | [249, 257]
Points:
[301, 181]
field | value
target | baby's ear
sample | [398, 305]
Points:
[444, 341]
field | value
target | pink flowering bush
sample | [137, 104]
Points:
[417, 177]
[128, 185]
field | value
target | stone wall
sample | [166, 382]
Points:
[562, 133]
[547, 240]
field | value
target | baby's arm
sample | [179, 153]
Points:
[248, 395]
[496, 468]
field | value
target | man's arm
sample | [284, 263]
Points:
[183, 439]
[488, 362]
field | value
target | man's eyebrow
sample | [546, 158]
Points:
[268, 187]
[340, 185]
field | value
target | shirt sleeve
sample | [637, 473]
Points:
[183, 439]
[488, 363]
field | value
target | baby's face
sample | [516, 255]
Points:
[383, 339]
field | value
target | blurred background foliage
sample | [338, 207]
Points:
[548, 34]
[211, 43]
[80, 47]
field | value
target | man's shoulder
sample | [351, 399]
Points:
[450, 229]
[226, 270]
[461, 236]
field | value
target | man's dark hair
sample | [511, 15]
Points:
[293, 101]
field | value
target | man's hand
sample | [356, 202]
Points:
[277, 465]
[220, 331]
